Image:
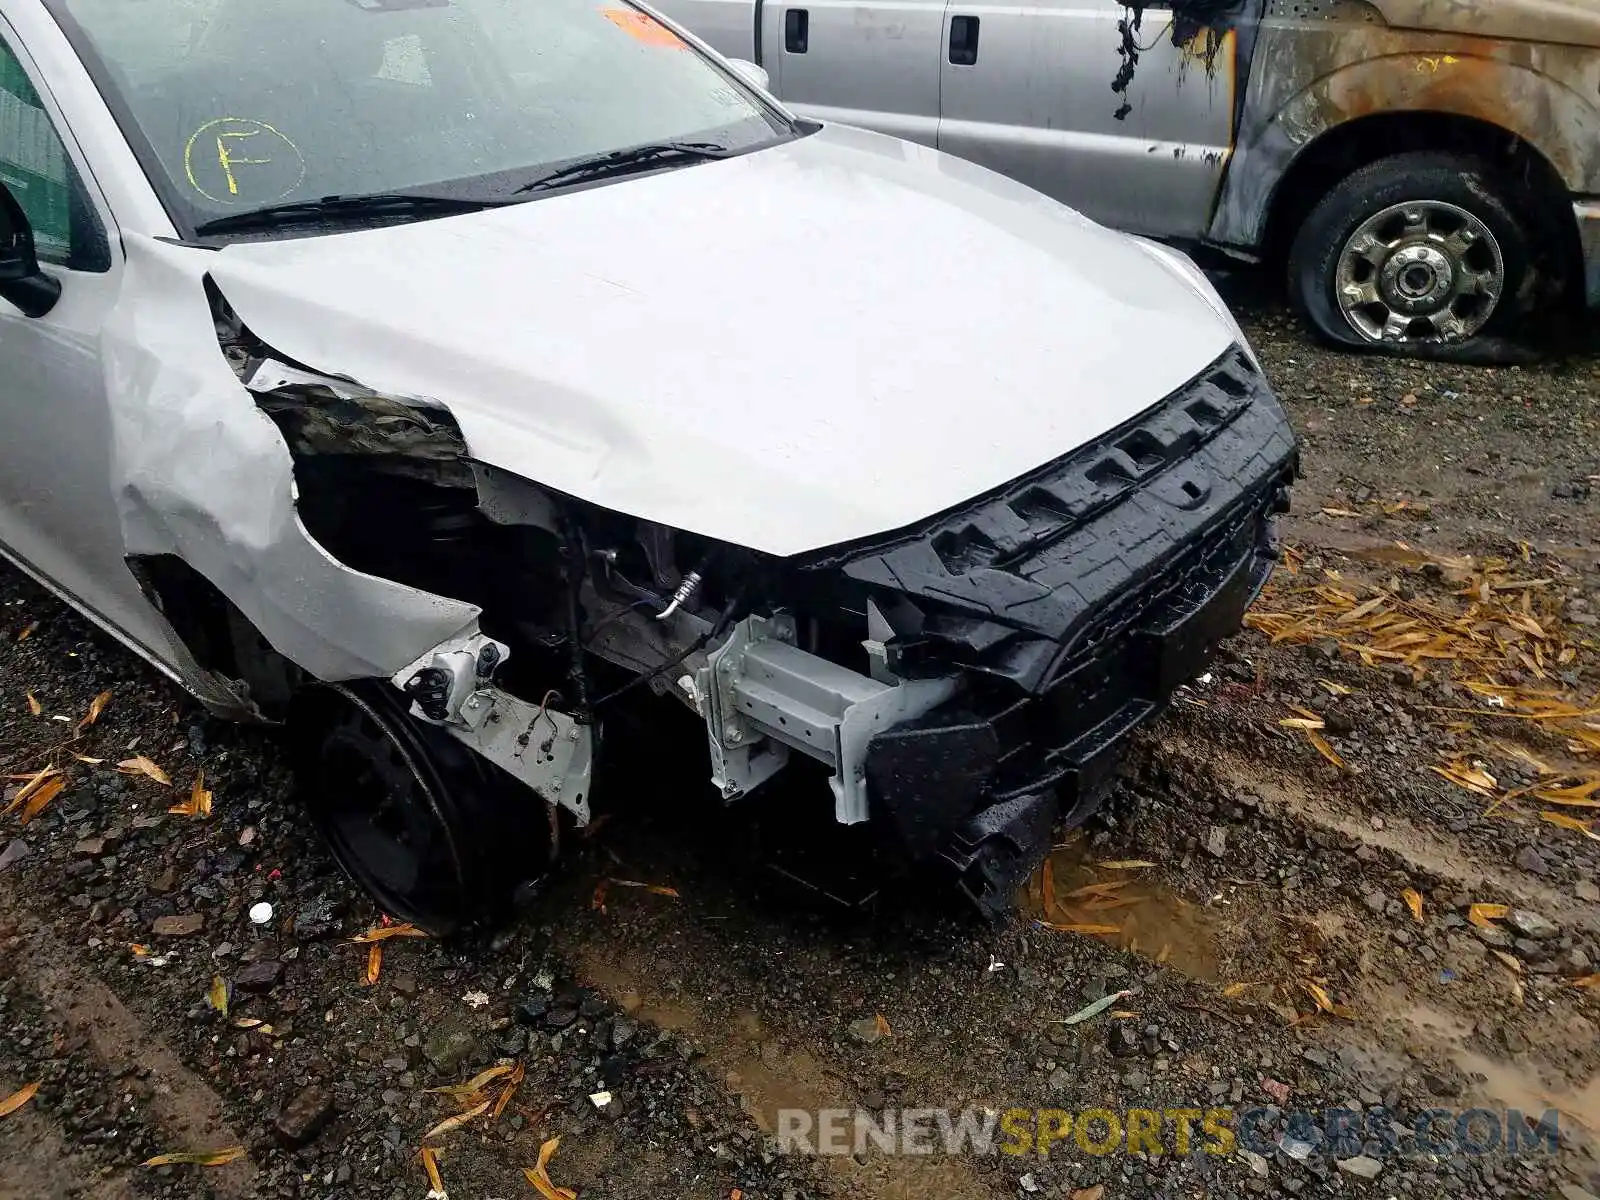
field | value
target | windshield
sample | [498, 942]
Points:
[246, 104]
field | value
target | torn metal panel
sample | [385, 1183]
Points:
[1312, 73]
[201, 473]
[545, 749]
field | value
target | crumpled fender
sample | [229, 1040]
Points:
[200, 472]
[1295, 99]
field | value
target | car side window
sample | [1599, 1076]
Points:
[35, 165]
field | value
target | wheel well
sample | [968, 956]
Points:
[1536, 185]
[218, 635]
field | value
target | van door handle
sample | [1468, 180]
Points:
[796, 30]
[963, 41]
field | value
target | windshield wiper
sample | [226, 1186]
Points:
[623, 162]
[339, 208]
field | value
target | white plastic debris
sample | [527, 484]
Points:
[260, 913]
[476, 999]
[600, 1099]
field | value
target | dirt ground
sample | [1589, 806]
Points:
[1299, 937]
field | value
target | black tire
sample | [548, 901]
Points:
[433, 833]
[1435, 182]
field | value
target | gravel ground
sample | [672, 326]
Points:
[1269, 952]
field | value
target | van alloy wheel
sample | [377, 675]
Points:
[1424, 270]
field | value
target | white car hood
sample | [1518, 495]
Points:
[789, 349]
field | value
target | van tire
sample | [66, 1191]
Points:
[1366, 235]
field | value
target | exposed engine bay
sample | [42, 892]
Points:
[964, 682]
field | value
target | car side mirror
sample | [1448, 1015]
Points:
[21, 280]
[750, 73]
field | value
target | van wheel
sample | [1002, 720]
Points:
[434, 834]
[1419, 249]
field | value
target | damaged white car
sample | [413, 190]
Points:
[441, 375]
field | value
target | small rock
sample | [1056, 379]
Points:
[1588, 890]
[1217, 841]
[1571, 1191]
[258, 978]
[623, 1031]
[1278, 1091]
[404, 985]
[532, 1010]
[1259, 1167]
[1124, 1041]
[1493, 935]
[449, 1044]
[90, 847]
[1361, 1166]
[164, 882]
[1529, 860]
[183, 925]
[867, 1030]
[304, 1117]
[1532, 925]
[15, 852]
[1376, 902]
[1028, 1183]
[561, 1016]
[1441, 1085]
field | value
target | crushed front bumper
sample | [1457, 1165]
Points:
[1014, 644]
[1074, 602]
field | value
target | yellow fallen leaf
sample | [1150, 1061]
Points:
[1339, 512]
[473, 1086]
[1335, 689]
[96, 707]
[1319, 994]
[1513, 964]
[1089, 1193]
[200, 1158]
[882, 1023]
[27, 631]
[374, 963]
[513, 1082]
[48, 791]
[1324, 749]
[384, 932]
[1413, 899]
[141, 765]
[1592, 982]
[199, 802]
[1565, 822]
[1126, 864]
[140, 951]
[456, 1122]
[217, 997]
[31, 784]
[17, 1099]
[84, 758]
[34, 706]
[649, 887]
[430, 1164]
[1303, 723]
[1485, 915]
[538, 1174]
[1235, 989]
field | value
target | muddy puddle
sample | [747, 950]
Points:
[1521, 1084]
[1120, 902]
